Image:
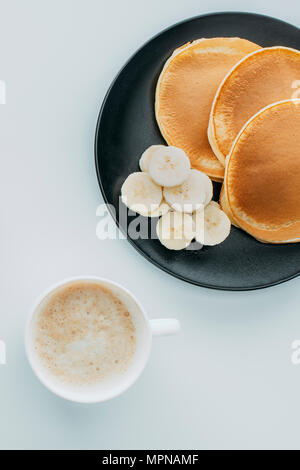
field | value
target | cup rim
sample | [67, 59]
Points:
[56, 389]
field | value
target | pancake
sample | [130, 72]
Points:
[263, 77]
[225, 206]
[262, 181]
[185, 92]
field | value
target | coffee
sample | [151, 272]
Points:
[84, 334]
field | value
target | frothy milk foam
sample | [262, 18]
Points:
[84, 334]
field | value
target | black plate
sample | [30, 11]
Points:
[126, 126]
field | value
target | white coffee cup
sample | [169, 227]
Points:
[145, 329]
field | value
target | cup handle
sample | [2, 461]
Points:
[164, 326]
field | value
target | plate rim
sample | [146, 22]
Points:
[98, 172]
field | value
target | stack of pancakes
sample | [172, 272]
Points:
[232, 107]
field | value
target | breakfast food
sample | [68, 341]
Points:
[262, 181]
[223, 102]
[175, 230]
[224, 204]
[185, 92]
[161, 210]
[169, 166]
[261, 78]
[176, 227]
[252, 130]
[212, 225]
[141, 194]
[196, 191]
[84, 334]
[147, 155]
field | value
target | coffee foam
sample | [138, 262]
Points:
[84, 334]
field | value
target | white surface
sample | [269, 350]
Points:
[226, 381]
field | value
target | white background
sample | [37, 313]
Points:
[227, 380]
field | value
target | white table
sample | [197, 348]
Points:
[227, 380]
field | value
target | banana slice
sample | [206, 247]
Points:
[175, 230]
[147, 155]
[216, 204]
[212, 225]
[140, 193]
[207, 183]
[169, 166]
[190, 195]
[163, 209]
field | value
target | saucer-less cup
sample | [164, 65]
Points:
[110, 388]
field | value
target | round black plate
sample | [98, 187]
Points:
[127, 126]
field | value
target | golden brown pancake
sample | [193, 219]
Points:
[261, 78]
[225, 206]
[185, 92]
[263, 174]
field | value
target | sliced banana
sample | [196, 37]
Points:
[207, 183]
[140, 193]
[212, 225]
[175, 230]
[147, 155]
[190, 195]
[216, 204]
[163, 209]
[169, 166]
